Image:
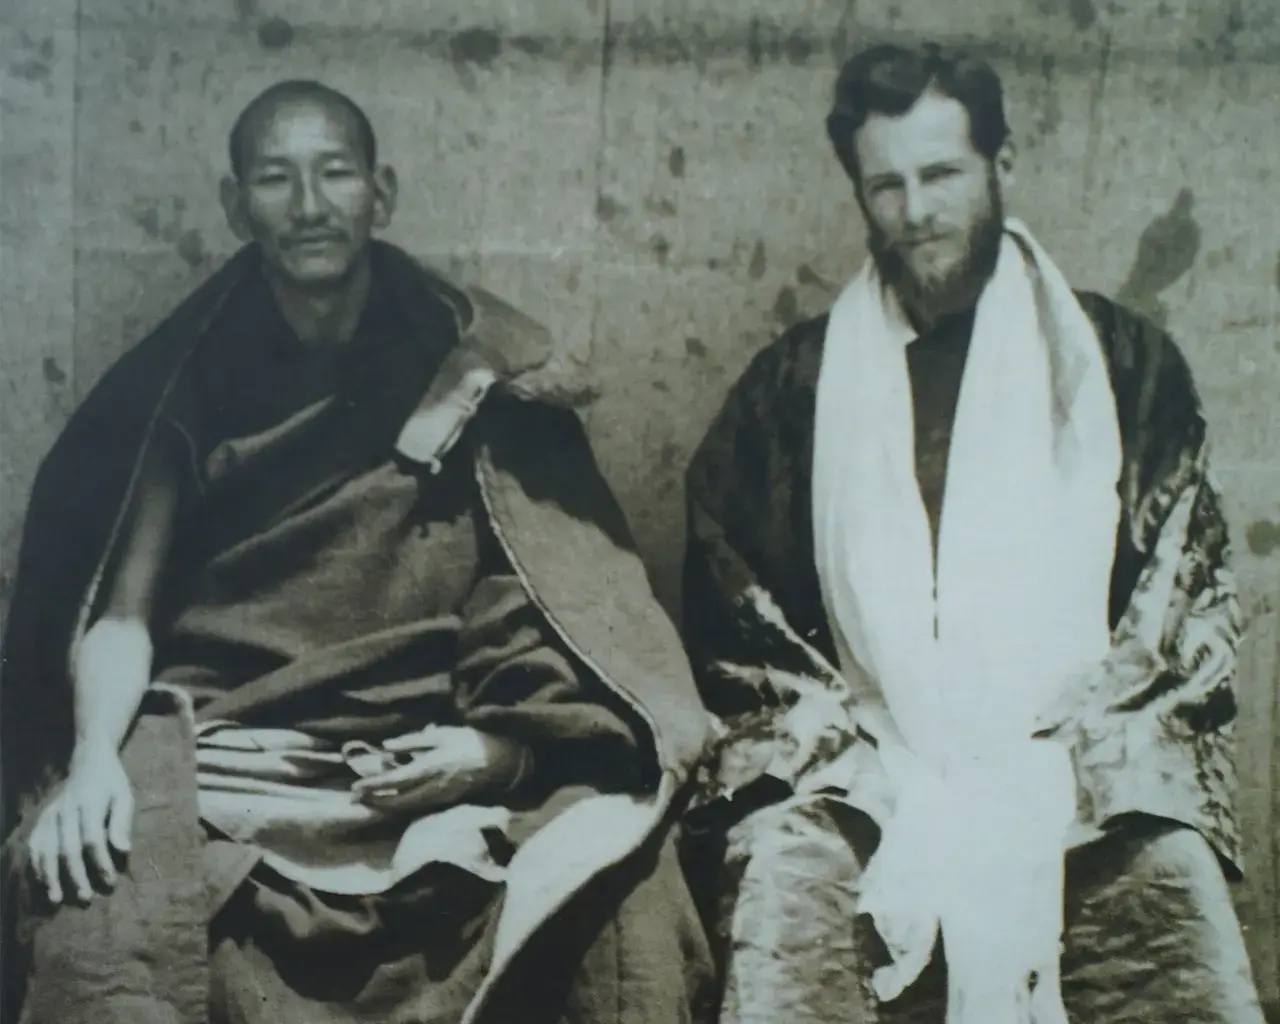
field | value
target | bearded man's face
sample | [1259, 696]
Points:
[932, 204]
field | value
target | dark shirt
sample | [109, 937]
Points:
[935, 363]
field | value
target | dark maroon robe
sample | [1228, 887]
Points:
[324, 581]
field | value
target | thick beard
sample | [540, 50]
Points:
[960, 287]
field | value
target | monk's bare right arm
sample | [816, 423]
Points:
[113, 664]
[89, 820]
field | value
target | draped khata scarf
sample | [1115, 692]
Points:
[965, 656]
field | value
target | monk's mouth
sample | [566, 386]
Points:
[318, 242]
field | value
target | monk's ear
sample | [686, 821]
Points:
[1006, 159]
[386, 188]
[233, 208]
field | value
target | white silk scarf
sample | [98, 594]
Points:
[965, 657]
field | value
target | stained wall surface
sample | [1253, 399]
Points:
[652, 180]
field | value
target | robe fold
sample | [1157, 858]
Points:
[364, 547]
[1150, 733]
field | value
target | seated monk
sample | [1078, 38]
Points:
[334, 689]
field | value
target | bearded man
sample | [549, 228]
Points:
[957, 584]
[334, 690]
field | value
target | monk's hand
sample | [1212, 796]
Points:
[85, 826]
[443, 765]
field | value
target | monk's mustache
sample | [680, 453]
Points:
[312, 237]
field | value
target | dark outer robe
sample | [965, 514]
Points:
[790, 801]
[551, 525]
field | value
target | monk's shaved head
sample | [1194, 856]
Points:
[282, 94]
[305, 185]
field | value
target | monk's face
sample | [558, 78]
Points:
[307, 194]
[932, 204]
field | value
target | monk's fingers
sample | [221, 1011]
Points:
[71, 850]
[120, 821]
[93, 832]
[424, 796]
[42, 848]
[422, 770]
[424, 739]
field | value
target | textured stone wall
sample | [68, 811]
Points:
[652, 180]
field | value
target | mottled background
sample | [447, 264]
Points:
[652, 180]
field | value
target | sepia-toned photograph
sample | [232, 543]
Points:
[600, 512]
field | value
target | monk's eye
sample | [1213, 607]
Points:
[339, 172]
[939, 174]
[271, 179]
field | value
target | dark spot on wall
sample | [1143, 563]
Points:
[135, 126]
[275, 34]
[246, 9]
[806, 275]
[1263, 537]
[695, 347]
[759, 261]
[474, 140]
[475, 46]
[1246, 323]
[661, 385]
[1083, 13]
[786, 310]
[53, 373]
[714, 264]
[141, 52]
[191, 248]
[148, 218]
[574, 281]
[1157, 91]
[1227, 45]
[607, 208]
[36, 67]
[755, 46]
[661, 207]
[1236, 22]
[1051, 113]
[529, 45]
[651, 42]
[798, 48]
[661, 249]
[1167, 249]
[675, 161]
[30, 70]
[668, 455]
[1219, 257]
